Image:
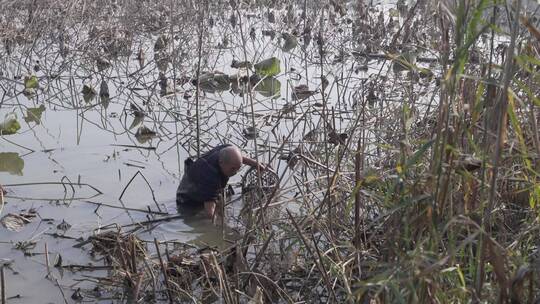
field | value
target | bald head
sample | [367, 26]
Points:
[230, 160]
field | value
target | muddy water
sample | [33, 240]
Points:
[78, 150]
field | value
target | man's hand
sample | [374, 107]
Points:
[262, 167]
[214, 211]
[253, 163]
[210, 208]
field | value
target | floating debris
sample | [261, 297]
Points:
[64, 226]
[144, 134]
[34, 114]
[241, 64]
[102, 64]
[31, 82]
[11, 162]
[104, 94]
[250, 133]
[268, 67]
[16, 222]
[10, 125]
[77, 296]
[302, 92]
[88, 92]
[268, 86]
[214, 82]
[289, 42]
[337, 138]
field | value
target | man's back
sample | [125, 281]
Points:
[202, 180]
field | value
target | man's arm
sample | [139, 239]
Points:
[252, 163]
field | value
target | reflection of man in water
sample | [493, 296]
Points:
[205, 179]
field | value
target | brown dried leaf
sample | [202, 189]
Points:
[532, 29]
[258, 297]
[497, 260]
[16, 222]
[516, 287]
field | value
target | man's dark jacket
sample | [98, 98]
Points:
[203, 180]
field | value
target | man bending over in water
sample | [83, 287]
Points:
[205, 179]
